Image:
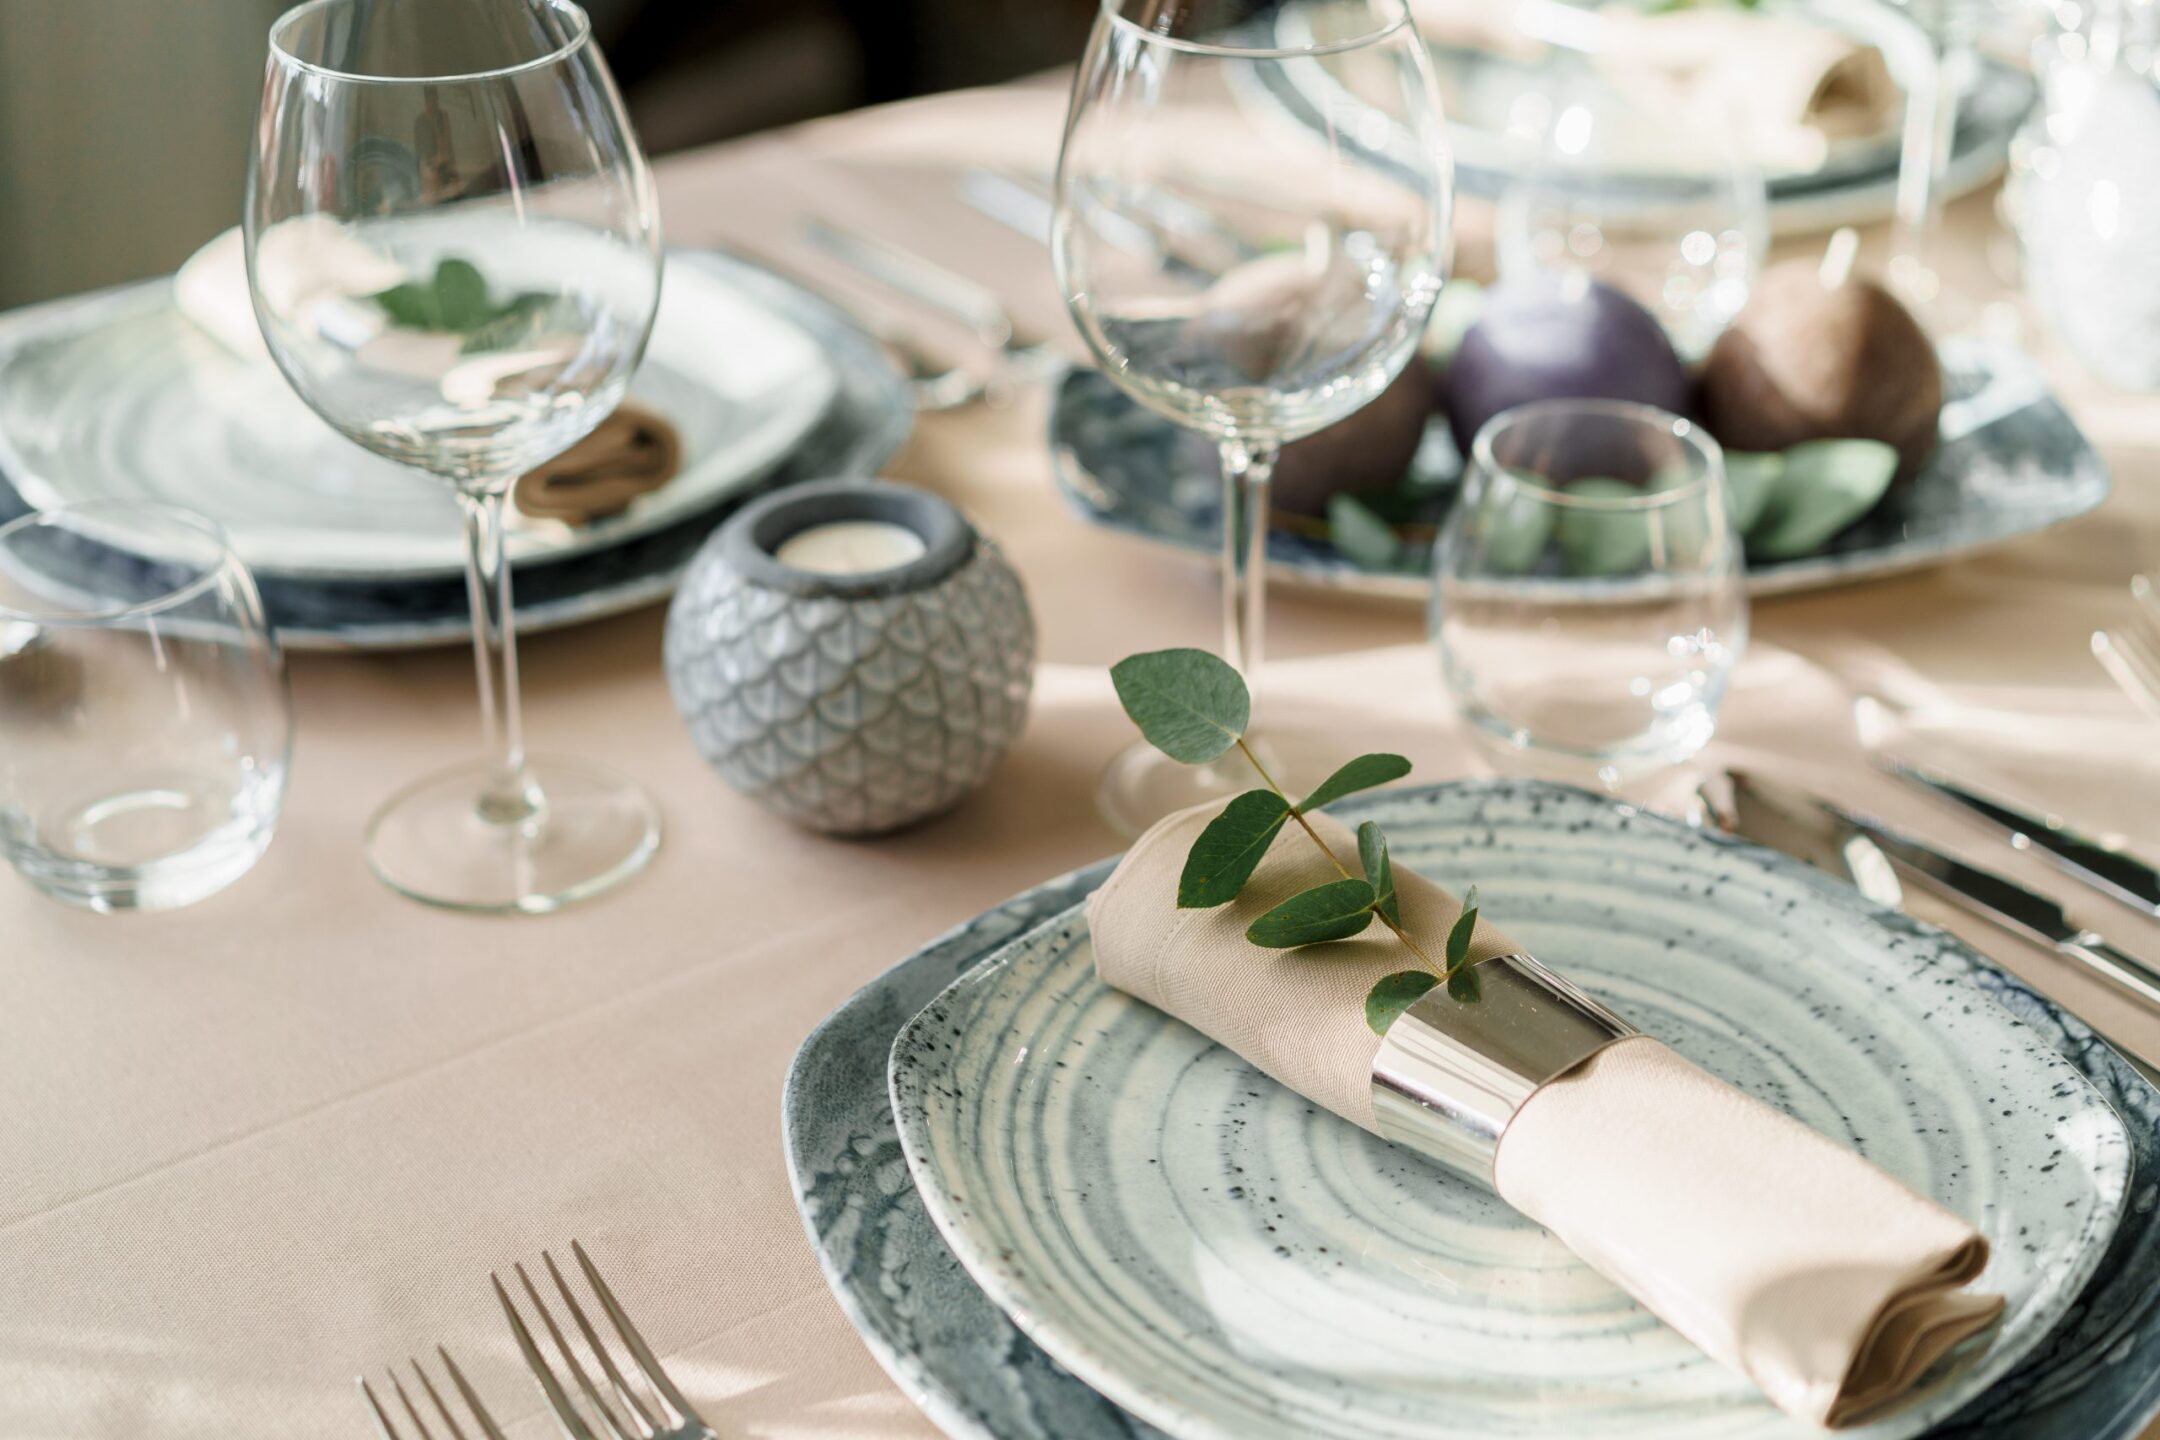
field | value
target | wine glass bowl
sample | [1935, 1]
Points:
[1250, 278]
[454, 254]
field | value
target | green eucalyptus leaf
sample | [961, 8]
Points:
[1188, 704]
[1334, 911]
[1464, 985]
[1224, 856]
[1749, 479]
[1458, 940]
[1360, 774]
[1379, 870]
[1602, 541]
[1361, 536]
[461, 295]
[1826, 485]
[1393, 994]
[409, 306]
[1513, 530]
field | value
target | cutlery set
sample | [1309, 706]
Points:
[1875, 857]
[652, 1409]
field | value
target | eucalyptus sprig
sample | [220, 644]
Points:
[1195, 708]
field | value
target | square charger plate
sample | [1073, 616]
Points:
[2089, 1363]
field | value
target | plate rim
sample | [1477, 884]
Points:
[1137, 1398]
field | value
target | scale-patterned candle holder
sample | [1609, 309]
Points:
[852, 654]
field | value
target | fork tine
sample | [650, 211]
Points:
[567, 1419]
[383, 1427]
[569, 1356]
[457, 1432]
[639, 1350]
[487, 1424]
[2139, 681]
[410, 1408]
[615, 1378]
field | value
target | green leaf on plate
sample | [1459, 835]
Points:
[1361, 536]
[461, 295]
[1334, 911]
[1458, 940]
[1393, 994]
[410, 306]
[1224, 856]
[1360, 774]
[1749, 479]
[1826, 485]
[1463, 985]
[1511, 532]
[1188, 704]
[1379, 870]
[1600, 540]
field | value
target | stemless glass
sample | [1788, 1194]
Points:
[455, 258]
[1589, 600]
[145, 725]
[1245, 275]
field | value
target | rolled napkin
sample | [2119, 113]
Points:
[1779, 1253]
[631, 453]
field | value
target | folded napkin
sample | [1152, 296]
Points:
[631, 453]
[1781, 1254]
[1782, 84]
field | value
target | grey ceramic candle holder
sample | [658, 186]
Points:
[852, 703]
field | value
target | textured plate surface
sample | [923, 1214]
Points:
[124, 397]
[866, 418]
[1224, 1259]
[2012, 463]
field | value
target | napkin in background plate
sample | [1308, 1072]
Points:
[1779, 1253]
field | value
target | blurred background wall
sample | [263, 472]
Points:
[124, 123]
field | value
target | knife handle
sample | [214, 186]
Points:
[2120, 966]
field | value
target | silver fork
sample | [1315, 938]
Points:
[388, 1428]
[662, 1414]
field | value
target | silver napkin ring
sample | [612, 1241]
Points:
[1449, 1076]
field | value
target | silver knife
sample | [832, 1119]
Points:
[2108, 868]
[1813, 829]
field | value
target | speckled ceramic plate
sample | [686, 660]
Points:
[2012, 463]
[1855, 185]
[1225, 1260]
[865, 414]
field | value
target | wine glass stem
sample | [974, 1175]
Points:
[1248, 467]
[511, 797]
[1931, 114]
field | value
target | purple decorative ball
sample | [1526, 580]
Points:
[1559, 338]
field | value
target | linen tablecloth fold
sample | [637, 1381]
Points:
[1781, 1254]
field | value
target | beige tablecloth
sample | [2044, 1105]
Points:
[253, 1148]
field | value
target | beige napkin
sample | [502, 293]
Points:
[1779, 1253]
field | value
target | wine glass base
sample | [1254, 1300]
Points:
[1141, 784]
[430, 843]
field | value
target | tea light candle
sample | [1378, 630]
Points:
[850, 547]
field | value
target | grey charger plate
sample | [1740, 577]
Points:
[867, 419]
[2011, 463]
[2095, 1377]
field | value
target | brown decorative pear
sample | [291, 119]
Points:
[1807, 360]
[1368, 450]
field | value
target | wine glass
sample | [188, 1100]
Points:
[1589, 599]
[1678, 218]
[454, 253]
[1246, 275]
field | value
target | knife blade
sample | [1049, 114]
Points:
[2108, 868]
[1763, 809]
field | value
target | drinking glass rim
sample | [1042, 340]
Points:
[581, 35]
[1242, 52]
[203, 526]
[1678, 426]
